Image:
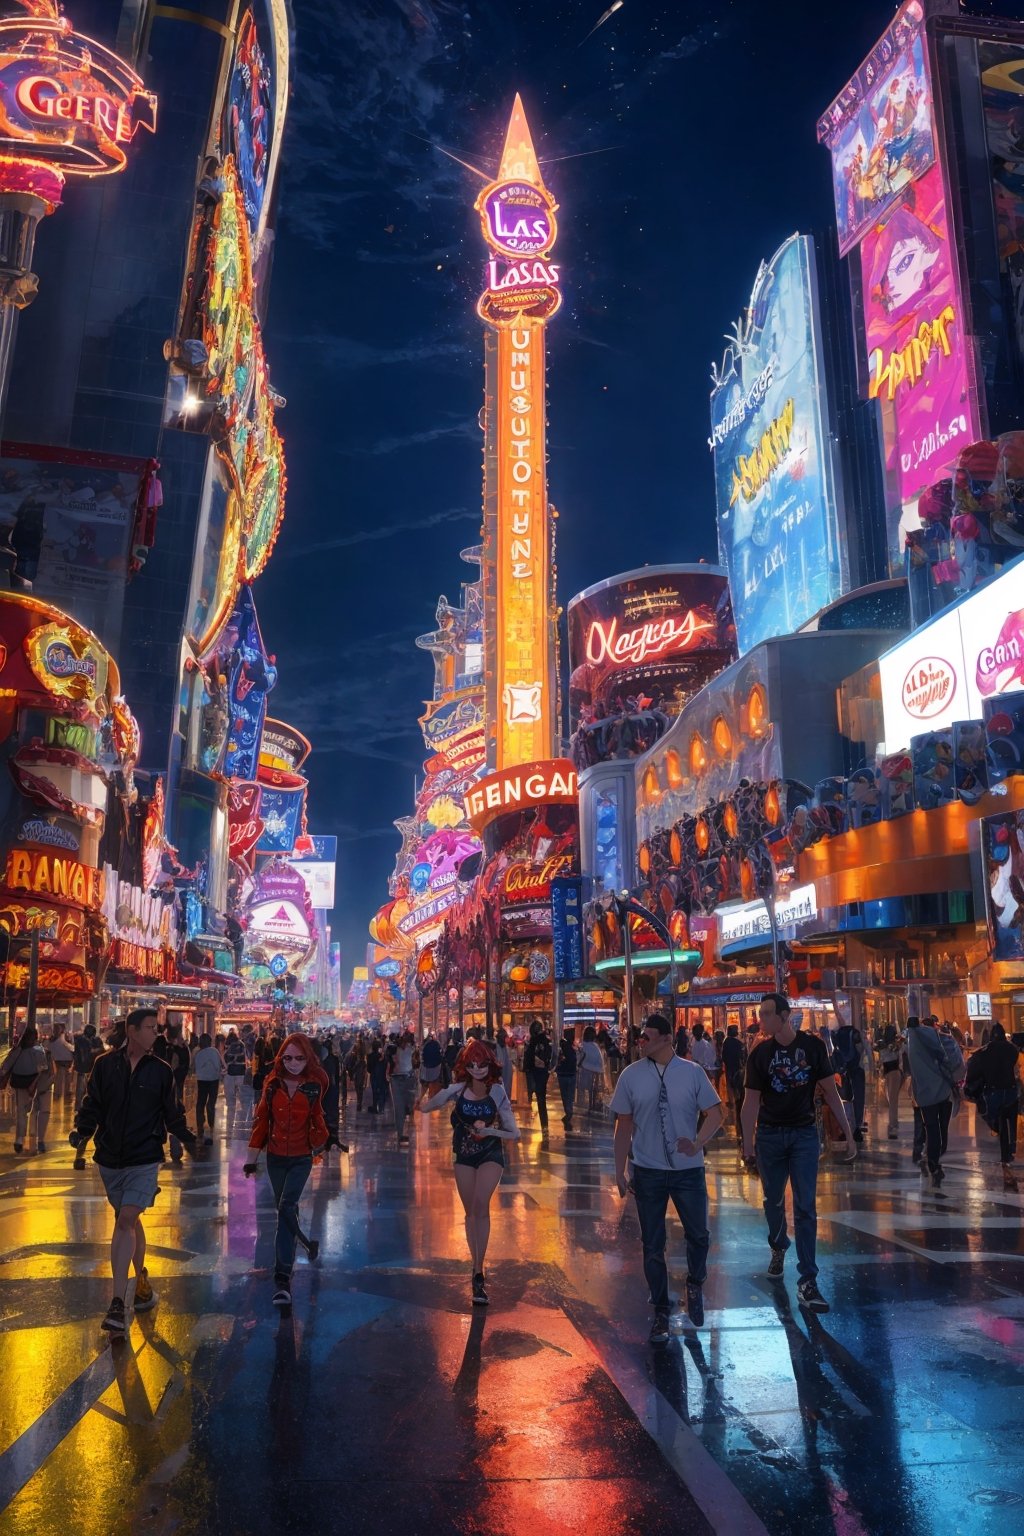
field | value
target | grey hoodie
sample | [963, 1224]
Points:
[930, 1072]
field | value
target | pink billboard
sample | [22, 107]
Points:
[920, 359]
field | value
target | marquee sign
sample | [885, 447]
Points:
[551, 783]
[66, 101]
[47, 874]
[68, 661]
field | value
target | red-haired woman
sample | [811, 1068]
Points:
[482, 1119]
[290, 1123]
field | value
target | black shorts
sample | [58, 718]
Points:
[889, 1066]
[467, 1155]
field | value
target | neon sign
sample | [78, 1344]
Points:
[66, 100]
[550, 783]
[46, 875]
[518, 217]
[647, 640]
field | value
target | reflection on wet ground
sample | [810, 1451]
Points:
[384, 1403]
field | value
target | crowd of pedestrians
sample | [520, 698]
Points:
[785, 1092]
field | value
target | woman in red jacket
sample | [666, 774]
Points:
[290, 1123]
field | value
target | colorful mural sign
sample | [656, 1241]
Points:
[248, 117]
[920, 365]
[880, 128]
[251, 676]
[279, 918]
[778, 532]
[281, 811]
[1002, 841]
[245, 824]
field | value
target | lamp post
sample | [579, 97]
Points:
[625, 906]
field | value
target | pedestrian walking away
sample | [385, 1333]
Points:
[431, 1063]
[849, 1057]
[289, 1123]
[933, 1082]
[591, 1069]
[87, 1047]
[61, 1051]
[566, 1068]
[28, 1071]
[130, 1105]
[889, 1052]
[234, 1075]
[208, 1069]
[992, 1085]
[780, 1137]
[403, 1065]
[666, 1111]
[537, 1066]
[482, 1119]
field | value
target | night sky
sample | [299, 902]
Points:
[679, 140]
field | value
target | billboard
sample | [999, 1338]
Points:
[920, 360]
[1002, 88]
[946, 670]
[778, 534]
[70, 520]
[1002, 843]
[317, 870]
[658, 633]
[880, 129]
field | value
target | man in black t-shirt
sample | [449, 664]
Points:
[778, 1106]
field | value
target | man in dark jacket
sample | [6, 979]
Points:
[129, 1107]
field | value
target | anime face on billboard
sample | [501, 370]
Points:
[880, 130]
[919, 361]
[777, 531]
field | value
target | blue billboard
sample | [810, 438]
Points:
[778, 534]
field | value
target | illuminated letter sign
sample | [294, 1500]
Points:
[44, 874]
[517, 216]
[65, 100]
[552, 783]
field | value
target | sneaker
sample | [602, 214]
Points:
[79, 1163]
[312, 1250]
[40, 1147]
[810, 1297]
[695, 1304]
[145, 1296]
[403, 1141]
[282, 1296]
[115, 1321]
[19, 1148]
[660, 1331]
[894, 1135]
[480, 1296]
[777, 1264]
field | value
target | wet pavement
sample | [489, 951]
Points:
[384, 1403]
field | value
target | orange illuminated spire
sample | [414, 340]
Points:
[518, 158]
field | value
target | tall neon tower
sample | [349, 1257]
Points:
[517, 215]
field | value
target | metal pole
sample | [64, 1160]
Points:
[559, 1012]
[33, 979]
[627, 951]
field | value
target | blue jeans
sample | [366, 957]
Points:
[567, 1088]
[687, 1188]
[288, 1177]
[790, 1154]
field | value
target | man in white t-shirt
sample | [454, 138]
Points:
[658, 1105]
